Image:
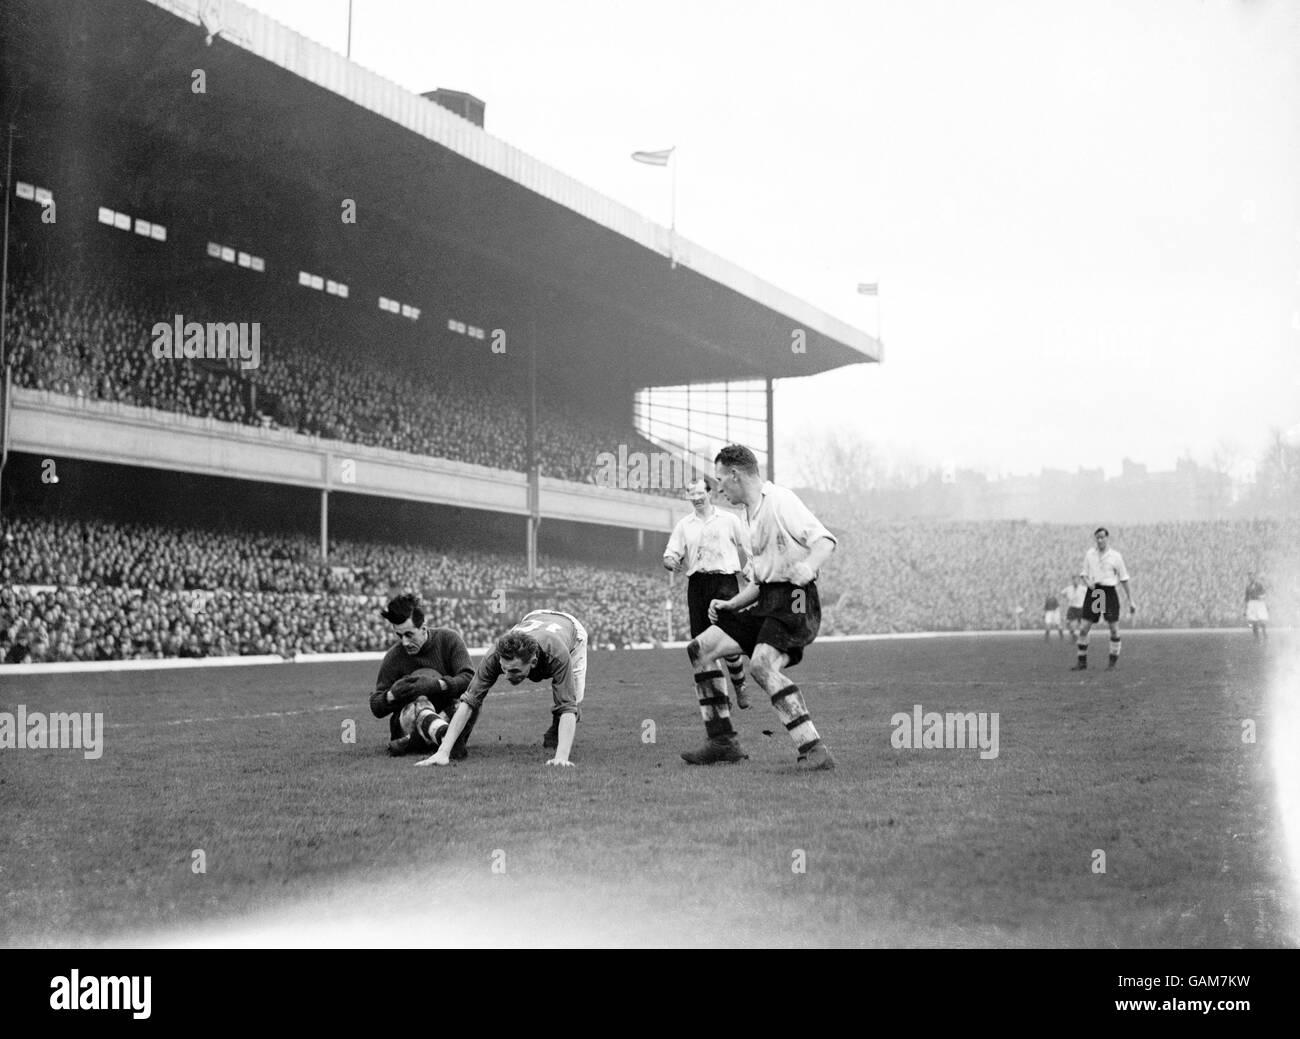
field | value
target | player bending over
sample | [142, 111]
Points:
[546, 644]
[771, 620]
[419, 679]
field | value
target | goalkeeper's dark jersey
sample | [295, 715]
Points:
[444, 651]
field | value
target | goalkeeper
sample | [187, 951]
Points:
[420, 680]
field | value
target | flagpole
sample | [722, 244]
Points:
[666, 157]
[672, 220]
[872, 289]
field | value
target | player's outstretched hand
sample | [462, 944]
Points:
[437, 758]
[562, 764]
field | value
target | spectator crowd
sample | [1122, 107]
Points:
[982, 575]
[89, 589]
[316, 376]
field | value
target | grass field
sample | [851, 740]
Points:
[311, 840]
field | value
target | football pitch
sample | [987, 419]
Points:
[1121, 809]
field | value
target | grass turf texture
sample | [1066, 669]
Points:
[309, 839]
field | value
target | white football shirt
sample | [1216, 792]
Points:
[781, 530]
[1106, 569]
[709, 545]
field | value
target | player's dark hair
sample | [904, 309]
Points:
[738, 456]
[516, 645]
[402, 608]
[1101, 530]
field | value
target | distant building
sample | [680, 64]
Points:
[1137, 495]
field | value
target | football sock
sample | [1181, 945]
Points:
[735, 669]
[1114, 650]
[715, 705]
[429, 727]
[1081, 647]
[793, 713]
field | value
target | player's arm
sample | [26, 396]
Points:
[381, 700]
[744, 551]
[470, 701]
[566, 702]
[743, 598]
[442, 756]
[808, 531]
[459, 671]
[1121, 571]
[676, 550]
[818, 552]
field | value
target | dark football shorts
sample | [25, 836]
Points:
[786, 617]
[1099, 596]
[1073, 613]
[702, 589]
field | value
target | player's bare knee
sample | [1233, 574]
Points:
[764, 673]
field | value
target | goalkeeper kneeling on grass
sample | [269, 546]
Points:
[420, 680]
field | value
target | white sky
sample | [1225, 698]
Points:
[1084, 216]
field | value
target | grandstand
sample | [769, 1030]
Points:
[435, 383]
[440, 319]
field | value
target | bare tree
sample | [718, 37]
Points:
[839, 461]
[1277, 485]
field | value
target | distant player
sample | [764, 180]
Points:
[546, 645]
[1103, 570]
[712, 545]
[419, 679]
[1074, 594]
[1256, 609]
[1052, 618]
[772, 620]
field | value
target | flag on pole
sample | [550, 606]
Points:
[654, 158]
[869, 288]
